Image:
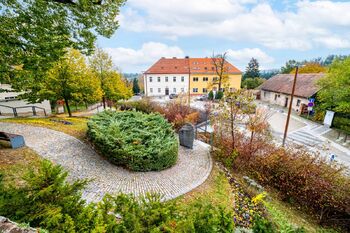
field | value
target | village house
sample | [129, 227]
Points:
[278, 89]
[10, 105]
[196, 76]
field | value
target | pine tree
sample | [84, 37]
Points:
[135, 86]
[252, 70]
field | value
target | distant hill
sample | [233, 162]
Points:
[131, 76]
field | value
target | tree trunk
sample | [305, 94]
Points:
[68, 108]
[232, 126]
[104, 102]
[251, 143]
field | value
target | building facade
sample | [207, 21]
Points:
[277, 90]
[9, 100]
[196, 76]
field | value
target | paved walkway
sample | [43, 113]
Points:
[192, 169]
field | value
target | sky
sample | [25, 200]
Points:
[271, 31]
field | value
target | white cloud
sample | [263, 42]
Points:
[131, 60]
[307, 25]
[244, 55]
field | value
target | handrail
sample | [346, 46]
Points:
[14, 109]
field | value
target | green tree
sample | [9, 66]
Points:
[252, 70]
[101, 63]
[289, 66]
[70, 79]
[335, 87]
[252, 83]
[35, 33]
[135, 86]
[211, 95]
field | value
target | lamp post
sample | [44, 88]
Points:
[290, 106]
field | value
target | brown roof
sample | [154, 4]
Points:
[181, 66]
[283, 83]
[169, 66]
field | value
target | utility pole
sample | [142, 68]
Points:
[290, 106]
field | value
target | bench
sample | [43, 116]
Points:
[15, 140]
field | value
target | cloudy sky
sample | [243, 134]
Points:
[272, 31]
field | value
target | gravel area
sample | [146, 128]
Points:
[192, 169]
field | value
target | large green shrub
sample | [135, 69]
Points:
[45, 199]
[138, 141]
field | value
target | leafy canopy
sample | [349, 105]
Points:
[35, 33]
[335, 87]
[252, 70]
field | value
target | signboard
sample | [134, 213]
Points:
[328, 119]
[309, 109]
[312, 100]
[310, 104]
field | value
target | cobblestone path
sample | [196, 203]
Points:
[192, 169]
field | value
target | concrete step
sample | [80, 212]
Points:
[307, 135]
[304, 138]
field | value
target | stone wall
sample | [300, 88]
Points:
[7, 226]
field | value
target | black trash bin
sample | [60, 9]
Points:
[186, 135]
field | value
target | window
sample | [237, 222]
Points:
[150, 79]
[159, 90]
[215, 79]
[182, 90]
[174, 79]
[182, 79]
[222, 89]
[231, 89]
[298, 102]
[205, 90]
[174, 90]
[206, 68]
[264, 93]
[215, 89]
[166, 79]
[151, 90]
[158, 79]
[275, 97]
[195, 90]
[195, 79]
[205, 79]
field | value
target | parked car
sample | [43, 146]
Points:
[202, 98]
[172, 96]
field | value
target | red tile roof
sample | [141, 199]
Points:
[169, 66]
[283, 83]
[186, 65]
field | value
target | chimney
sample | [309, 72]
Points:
[187, 57]
[174, 57]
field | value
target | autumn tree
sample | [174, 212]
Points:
[102, 65]
[252, 70]
[71, 80]
[335, 87]
[35, 34]
[220, 64]
[115, 87]
[310, 67]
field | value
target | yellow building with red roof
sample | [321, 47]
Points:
[196, 76]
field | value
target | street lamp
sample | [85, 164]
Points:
[290, 106]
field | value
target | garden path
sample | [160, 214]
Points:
[82, 162]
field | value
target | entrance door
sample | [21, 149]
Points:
[286, 103]
[166, 91]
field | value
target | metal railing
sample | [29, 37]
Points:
[15, 113]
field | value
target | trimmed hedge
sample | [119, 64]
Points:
[138, 141]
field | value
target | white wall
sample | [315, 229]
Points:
[269, 97]
[162, 85]
[9, 99]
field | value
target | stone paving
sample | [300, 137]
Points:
[192, 169]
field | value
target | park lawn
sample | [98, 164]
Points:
[77, 129]
[215, 190]
[15, 163]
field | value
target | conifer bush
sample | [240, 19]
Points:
[138, 141]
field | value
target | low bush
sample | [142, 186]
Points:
[300, 176]
[138, 141]
[48, 201]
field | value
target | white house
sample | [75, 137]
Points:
[278, 89]
[9, 103]
[167, 76]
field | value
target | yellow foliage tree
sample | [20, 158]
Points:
[71, 80]
[310, 67]
[116, 87]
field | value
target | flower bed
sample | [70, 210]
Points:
[138, 141]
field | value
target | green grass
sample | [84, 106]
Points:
[77, 129]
